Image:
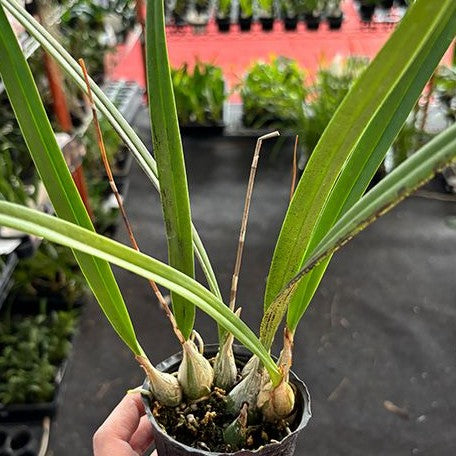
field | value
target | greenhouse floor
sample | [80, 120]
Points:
[381, 327]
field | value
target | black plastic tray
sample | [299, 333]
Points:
[20, 439]
[33, 412]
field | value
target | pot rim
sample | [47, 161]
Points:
[211, 350]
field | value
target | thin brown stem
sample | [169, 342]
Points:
[294, 171]
[427, 102]
[161, 299]
[245, 216]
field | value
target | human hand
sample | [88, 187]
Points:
[126, 431]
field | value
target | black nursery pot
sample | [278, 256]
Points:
[223, 24]
[179, 19]
[366, 12]
[267, 23]
[290, 23]
[335, 22]
[387, 4]
[167, 446]
[245, 23]
[312, 21]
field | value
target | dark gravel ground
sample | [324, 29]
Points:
[381, 326]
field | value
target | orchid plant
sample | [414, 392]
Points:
[328, 207]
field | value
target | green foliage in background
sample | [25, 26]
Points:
[199, 94]
[31, 351]
[273, 95]
[51, 273]
[326, 94]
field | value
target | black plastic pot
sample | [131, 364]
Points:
[366, 12]
[179, 19]
[267, 23]
[223, 24]
[387, 4]
[335, 22]
[166, 446]
[312, 21]
[290, 23]
[245, 23]
[202, 131]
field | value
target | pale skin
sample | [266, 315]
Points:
[126, 431]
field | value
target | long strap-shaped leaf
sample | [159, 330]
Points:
[52, 168]
[120, 125]
[402, 182]
[170, 159]
[77, 238]
[357, 138]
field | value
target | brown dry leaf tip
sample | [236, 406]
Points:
[399, 411]
[163, 303]
[164, 387]
[245, 216]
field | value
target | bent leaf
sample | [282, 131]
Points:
[81, 239]
[400, 183]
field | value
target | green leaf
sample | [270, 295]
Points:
[121, 126]
[170, 159]
[53, 170]
[355, 142]
[400, 183]
[78, 238]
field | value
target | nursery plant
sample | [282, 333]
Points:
[51, 275]
[289, 11]
[223, 8]
[312, 10]
[84, 22]
[198, 14]
[273, 95]
[32, 349]
[327, 209]
[199, 94]
[266, 14]
[325, 95]
[333, 13]
[223, 15]
[245, 15]
[180, 12]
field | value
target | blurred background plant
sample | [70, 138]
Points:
[273, 95]
[52, 275]
[32, 349]
[199, 94]
[325, 95]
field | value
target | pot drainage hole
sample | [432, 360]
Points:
[27, 453]
[20, 440]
